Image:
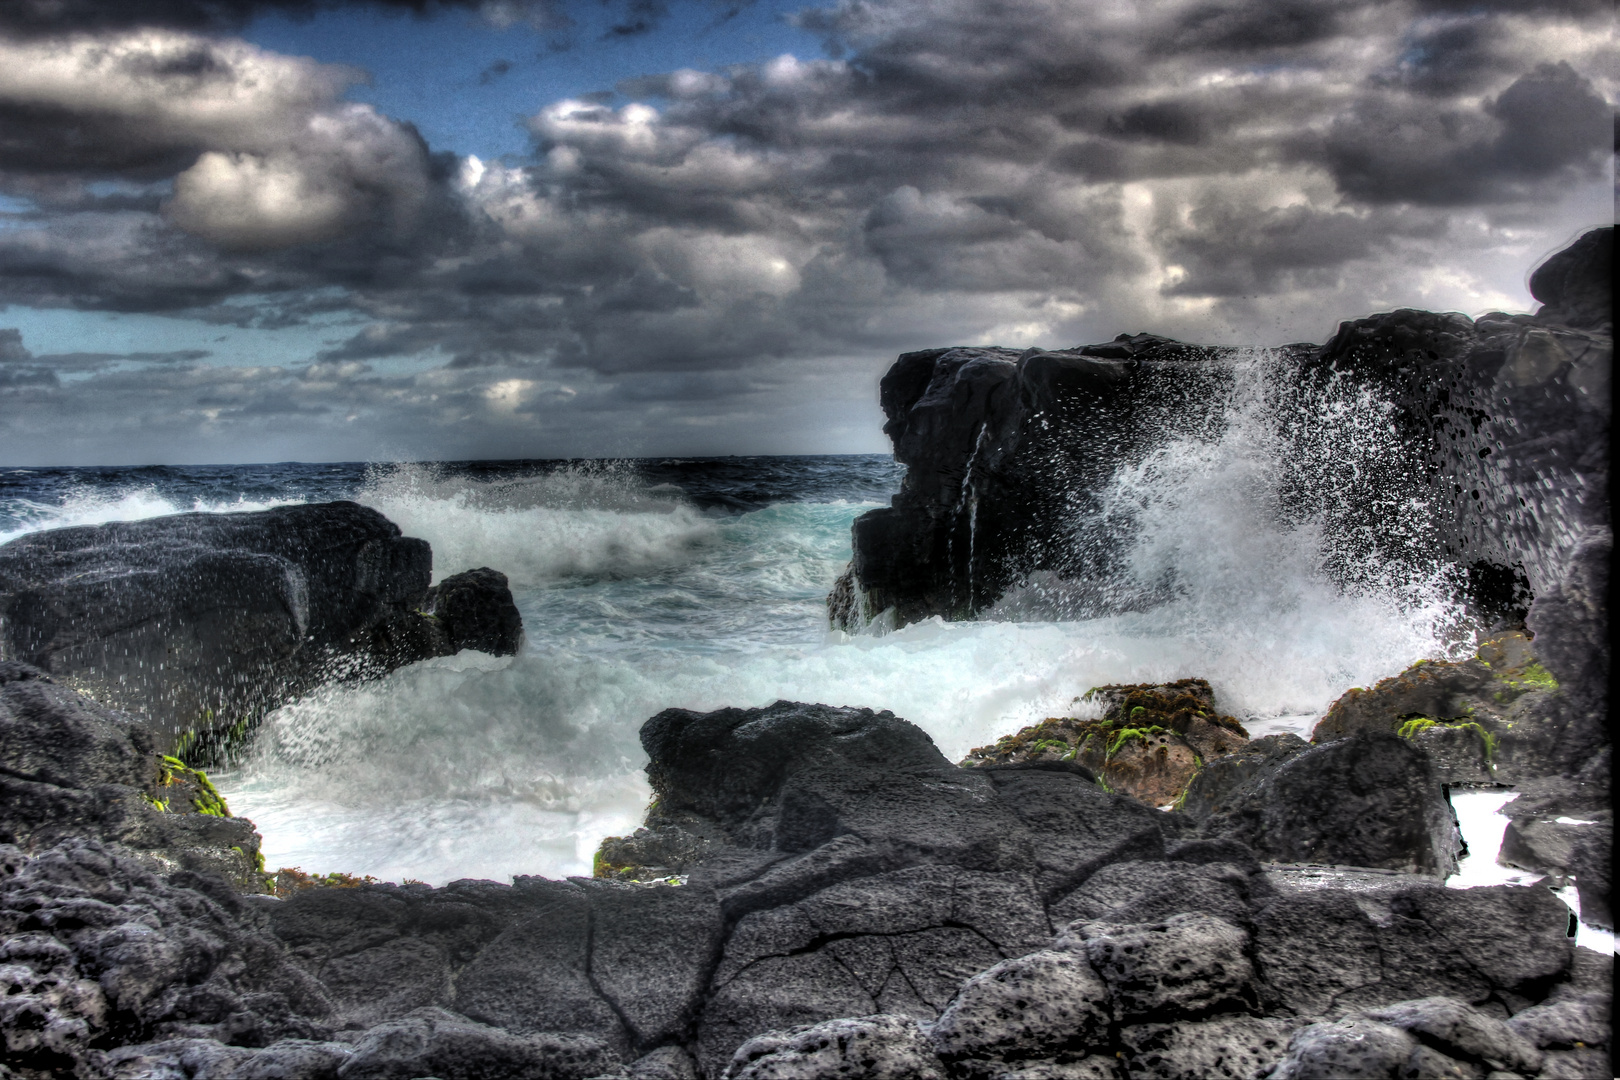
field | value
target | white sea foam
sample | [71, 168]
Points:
[578, 521]
[91, 506]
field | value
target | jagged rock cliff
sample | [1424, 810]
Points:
[1506, 420]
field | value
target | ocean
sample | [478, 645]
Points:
[701, 583]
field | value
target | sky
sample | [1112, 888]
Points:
[267, 230]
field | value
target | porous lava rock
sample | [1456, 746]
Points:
[202, 622]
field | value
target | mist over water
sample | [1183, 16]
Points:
[647, 585]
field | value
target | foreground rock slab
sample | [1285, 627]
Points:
[831, 898]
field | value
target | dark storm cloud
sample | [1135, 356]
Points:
[1550, 122]
[60, 16]
[1015, 171]
[1245, 26]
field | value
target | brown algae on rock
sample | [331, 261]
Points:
[1149, 742]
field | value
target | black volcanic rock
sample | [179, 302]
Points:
[1505, 420]
[476, 611]
[1369, 799]
[201, 622]
[1004, 449]
[932, 892]
[72, 769]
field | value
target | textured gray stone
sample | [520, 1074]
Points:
[1352, 1049]
[1094, 1067]
[1369, 799]
[776, 993]
[665, 1063]
[1142, 891]
[1329, 951]
[1461, 1031]
[1580, 1064]
[652, 951]
[1182, 966]
[1224, 1048]
[433, 1042]
[878, 1047]
[96, 950]
[1077, 826]
[1027, 1007]
[1560, 1025]
[503, 986]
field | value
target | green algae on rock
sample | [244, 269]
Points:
[1490, 718]
[1149, 742]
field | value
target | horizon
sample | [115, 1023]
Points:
[264, 231]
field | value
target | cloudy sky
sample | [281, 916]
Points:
[258, 230]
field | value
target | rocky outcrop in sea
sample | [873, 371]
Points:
[201, 623]
[1504, 420]
[818, 892]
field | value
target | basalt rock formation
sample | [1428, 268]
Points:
[202, 622]
[831, 897]
[73, 769]
[1506, 418]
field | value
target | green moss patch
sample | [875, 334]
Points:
[203, 795]
[1412, 726]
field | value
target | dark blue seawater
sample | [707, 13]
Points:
[49, 497]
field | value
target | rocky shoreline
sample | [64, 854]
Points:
[818, 892]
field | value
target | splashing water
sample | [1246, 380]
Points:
[1239, 568]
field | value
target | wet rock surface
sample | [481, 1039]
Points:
[1369, 800]
[202, 622]
[73, 769]
[1148, 743]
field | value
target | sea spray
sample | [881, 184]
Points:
[578, 521]
[534, 759]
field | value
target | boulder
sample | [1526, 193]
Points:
[1430, 1037]
[476, 611]
[1148, 743]
[1496, 717]
[1371, 799]
[1033, 1006]
[202, 622]
[1188, 965]
[1330, 944]
[1233, 1047]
